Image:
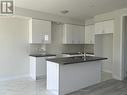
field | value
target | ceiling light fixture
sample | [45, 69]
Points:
[65, 11]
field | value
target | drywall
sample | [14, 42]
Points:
[14, 62]
[47, 16]
[125, 45]
[116, 70]
[117, 40]
[56, 47]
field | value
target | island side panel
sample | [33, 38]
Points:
[32, 67]
[53, 77]
[79, 75]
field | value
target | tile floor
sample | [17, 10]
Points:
[24, 87]
[109, 87]
[28, 86]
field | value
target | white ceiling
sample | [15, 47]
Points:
[80, 9]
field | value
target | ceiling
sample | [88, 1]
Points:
[79, 9]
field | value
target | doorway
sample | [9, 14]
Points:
[124, 47]
[104, 48]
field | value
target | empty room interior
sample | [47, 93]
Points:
[63, 47]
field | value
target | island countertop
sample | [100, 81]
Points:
[73, 60]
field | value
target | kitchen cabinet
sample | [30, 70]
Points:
[39, 31]
[38, 67]
[109, 26]
[89, 34]
[99, 28]
[104, 27]
[73, 34]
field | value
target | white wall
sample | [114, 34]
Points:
[118, 65]
[56, 47]
[118, 52]
[13, 48]
[125, 45]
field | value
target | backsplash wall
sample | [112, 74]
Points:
[72, 48]
[56, 46]
[58, 49]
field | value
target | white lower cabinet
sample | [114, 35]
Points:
[37, 67]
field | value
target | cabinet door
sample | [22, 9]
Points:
[41, 31]
[36, 31]
[67, 34]
[78, 34]
[92, 29]
[82, 35]
[89, 34]
[47, 32]
[75, 34]
[41, 67]
[99, 28]
[109, 26]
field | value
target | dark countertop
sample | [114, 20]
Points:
[42, 55]
[73, 60]
[76, 53]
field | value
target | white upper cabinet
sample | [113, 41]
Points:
[99, 28]
[73, 34]
[104, 27]
[67, 34]
[82, 33]
[89, 34]
[109, 26]
[40, 31]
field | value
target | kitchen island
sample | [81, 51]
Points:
[65, 75]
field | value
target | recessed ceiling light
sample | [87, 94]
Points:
[65, 11]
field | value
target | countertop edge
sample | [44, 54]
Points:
[74, 62]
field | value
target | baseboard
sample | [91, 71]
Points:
[107, 71]
[117, 78]
[14, 77]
